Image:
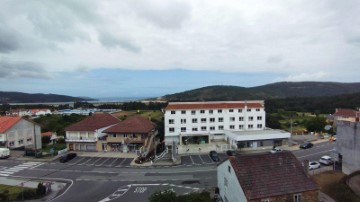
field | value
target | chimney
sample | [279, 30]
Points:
[306, 167]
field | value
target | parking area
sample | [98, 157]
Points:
[200, 159]
[98, 161]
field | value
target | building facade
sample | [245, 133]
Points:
[17, 132]
[83, 136]
[348, 145]
[237, 122]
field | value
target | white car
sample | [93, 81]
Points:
[314, 165]
[326, 160]
[276, 150]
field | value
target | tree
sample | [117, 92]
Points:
[315, 124]
[45, 140]
[163, 196]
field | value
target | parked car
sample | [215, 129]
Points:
[276, 150]
[231, 153]
[67, 157]
[214, 156]
[326, 160]
[306, 145]
[314, 165]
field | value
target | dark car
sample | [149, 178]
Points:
[214, 156]
[306, 145]
[231, 153]
[67, 157]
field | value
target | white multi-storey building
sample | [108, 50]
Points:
[233, 121]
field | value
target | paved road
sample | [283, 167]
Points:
[112, 179]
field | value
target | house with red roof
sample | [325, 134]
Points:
[136, 133]
[346, 115]
[265, 177]
[17, 132]
[83, 136]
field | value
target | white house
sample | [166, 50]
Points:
[16, 132]
[237, 122]
[265, 177]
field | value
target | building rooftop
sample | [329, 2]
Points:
[94, 122]
[347, 113]
[269, 175]
[6, 122]
[263, 134]
[215, 105]
[134, 124]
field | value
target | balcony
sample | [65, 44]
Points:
[81, 139]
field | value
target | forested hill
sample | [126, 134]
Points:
[17, 97]
[269, 91]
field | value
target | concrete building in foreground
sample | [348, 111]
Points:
[236, 122]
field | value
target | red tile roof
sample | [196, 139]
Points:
[6, 122]
[94, 122]
[347, 113]
[134, 124]
[47, 134]
[269, 175]
[214, 105]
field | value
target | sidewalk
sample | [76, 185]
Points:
[55, 186]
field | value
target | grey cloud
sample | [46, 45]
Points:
[276, 59]
[8, 40]
[111, 41]
[165, 14]
[22, 70]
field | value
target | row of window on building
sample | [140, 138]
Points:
[212, 128]
[219, 111]
[212, 120]
[20, 142]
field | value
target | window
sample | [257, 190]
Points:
[259, 118]
[21, 142]
[219, 111]
[229, 169]
[203, 128]
[194, 129]
[172, 112]
[183, 121]
[194, 120]
[183, 112]
[203, 120]
[171, 130]
[259, 125]
[249, 110]
[125, 135]
[183, 129]
[240, 110]
[193, 112]
[241, 126]
[231, 110]
[232, 118]
[241, 118]
[212, 120]
[261, 143]
[211, 111]
[11, 143]
[221, 127]
[221, 119]
[134, 135]
[251, 118]
[257, 110]
[202, 111]
[212, 127]
[250, 126]
[232, 127]
[171, 121]
[297, 197]
[28, 140]
[114, 135]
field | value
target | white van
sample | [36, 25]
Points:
[4, 153]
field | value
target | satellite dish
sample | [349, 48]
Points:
[327, 127]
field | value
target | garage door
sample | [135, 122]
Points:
[82, 147]
[91, 147]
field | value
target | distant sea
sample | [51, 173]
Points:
[119, 99]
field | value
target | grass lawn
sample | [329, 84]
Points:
[12, 192]
[153, 114]
[332, 184]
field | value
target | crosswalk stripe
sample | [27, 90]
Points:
[8, 172]
[5, 175]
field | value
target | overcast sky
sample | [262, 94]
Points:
[136, 48]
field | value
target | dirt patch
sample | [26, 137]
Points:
[333, 183]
